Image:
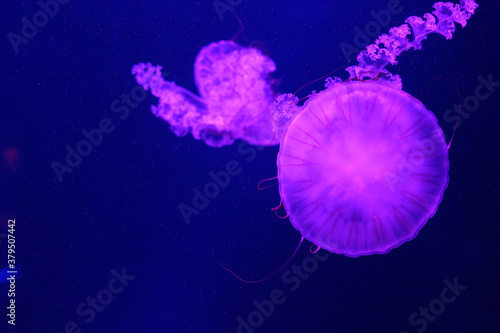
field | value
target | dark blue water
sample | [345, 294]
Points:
[107, 250]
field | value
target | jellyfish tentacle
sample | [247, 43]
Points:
[283, 109]
[372, 61]
[235, 99]
[388, 47]
[280, 206]
[265, 180]
[459, 104]
[267, 277]
[315, 250]
[181, 108]
[242, 26]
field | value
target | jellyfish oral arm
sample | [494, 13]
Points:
[181, 108]
[387, 48]
[235, 96]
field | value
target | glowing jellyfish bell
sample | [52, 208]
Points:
[235, 96]
[363, 165]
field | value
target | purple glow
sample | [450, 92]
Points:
[235, 96]
[363, 165]
[361, 168]
[376, 57]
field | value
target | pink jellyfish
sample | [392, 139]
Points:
[363, 165]
[235, 99]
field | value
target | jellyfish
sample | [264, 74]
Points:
[363, 165]
[235, 98]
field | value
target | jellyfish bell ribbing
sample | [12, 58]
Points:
[361, 168]
[363, 165]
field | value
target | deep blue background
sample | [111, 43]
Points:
[119, 208]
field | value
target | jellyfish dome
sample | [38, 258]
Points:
[235, 96]
[363, 165]
[362, 168]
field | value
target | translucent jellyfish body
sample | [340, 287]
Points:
[235, 96]
[362, 168]
[363, 165]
